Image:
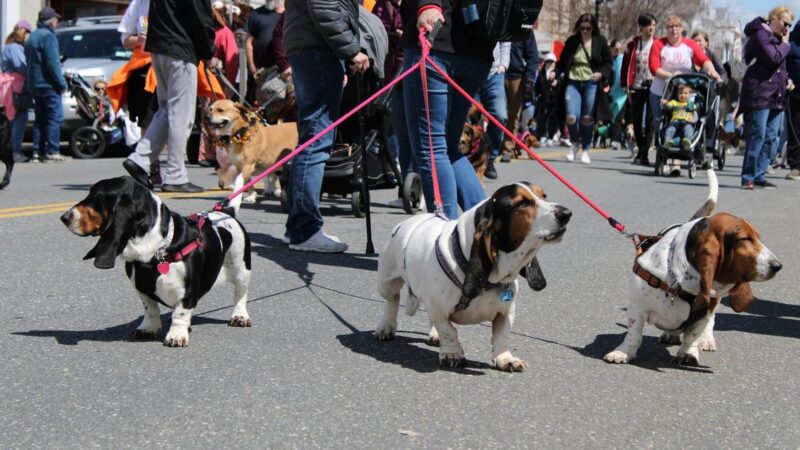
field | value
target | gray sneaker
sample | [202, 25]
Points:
[793, 174]
[321, 243]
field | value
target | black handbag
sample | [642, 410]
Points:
[23, 101]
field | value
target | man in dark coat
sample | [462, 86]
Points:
[321, 37]
[180, 34]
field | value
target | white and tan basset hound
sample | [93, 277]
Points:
[682, 273]
[465, 271]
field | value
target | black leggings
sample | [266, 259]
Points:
[642, 119]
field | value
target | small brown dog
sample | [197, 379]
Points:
[475, 145]
[253, 145]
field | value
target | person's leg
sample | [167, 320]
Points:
[155, 137]
[18, 132]
[588, 93]
[318, 76]
[514, 91]
[417, 125]
[687, 133]
[774, 123]
[572, 101]
[655, 110]
[400, 131]
[669, 133]
[181, 84]
[793, 131]
[466, 71]
[54, 117]
[495, 103]
[638, 107]
[755, 131]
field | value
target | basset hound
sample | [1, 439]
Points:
[170, 259]
[465, 271]
[681, 274]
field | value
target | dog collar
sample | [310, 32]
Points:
[688, 297]
[243, 135]
[166, 259]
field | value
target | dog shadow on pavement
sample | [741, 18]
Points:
[764, 317]
[113, 334]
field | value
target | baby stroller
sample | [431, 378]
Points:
[344, 171]
[706, 100]
[90, 141]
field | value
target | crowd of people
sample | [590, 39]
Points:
[592, 90]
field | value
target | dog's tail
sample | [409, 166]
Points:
[233, 207]
[711, 202]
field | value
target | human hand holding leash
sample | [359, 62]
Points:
[359, 63]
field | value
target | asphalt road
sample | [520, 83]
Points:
[309, 374]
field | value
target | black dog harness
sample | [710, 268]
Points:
[461, 262]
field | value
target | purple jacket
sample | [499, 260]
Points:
[389, 13]
[764, 83]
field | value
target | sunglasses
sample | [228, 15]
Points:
[787, 24]
[586, 28]
[100, 89]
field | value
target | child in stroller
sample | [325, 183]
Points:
[684, 115]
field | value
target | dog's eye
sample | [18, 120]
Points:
[524, 203]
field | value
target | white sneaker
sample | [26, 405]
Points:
[322, 243]
[422, 206]
[285, 239]
[571, 153]
[396, 203]
[585, 157]
[565, 142]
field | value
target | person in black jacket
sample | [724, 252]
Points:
[320, 37]
[519, 81]
[585, 67]
[467, 60]
[179, 35]
[546, 90]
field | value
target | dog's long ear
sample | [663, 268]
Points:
[483, 254]
[741, 297]
[704, 250]
[243, 111]
[113, 238]
[533, 273]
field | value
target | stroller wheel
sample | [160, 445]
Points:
[87, 143]
[692, 168]
[412, 193]
[659, 165]
[721, 159]
[357, 204]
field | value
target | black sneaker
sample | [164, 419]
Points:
[185, 187]
[766, 185]
[137, 173]
[490, 172]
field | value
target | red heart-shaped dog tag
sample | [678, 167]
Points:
[163, 268]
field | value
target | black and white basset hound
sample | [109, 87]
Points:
[680, 275]
[170, 259]
[465, 271]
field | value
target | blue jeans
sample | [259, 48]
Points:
[398, 138]
[47, 126]
[680, 129]
[458, 183]
[18, 131]
[318, 77]
[761, 133]
[493, 97]
[580, 103]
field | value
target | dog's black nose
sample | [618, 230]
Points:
[775, 266]
[563, 215]
[65, 217]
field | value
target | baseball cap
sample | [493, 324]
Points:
[550, 57]
[48, 13]
[25, 25]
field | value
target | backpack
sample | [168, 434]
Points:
[498, 20]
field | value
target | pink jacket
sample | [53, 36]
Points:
[10, 83]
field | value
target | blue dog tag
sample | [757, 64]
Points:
[506, 295]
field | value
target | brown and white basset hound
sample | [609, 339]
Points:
[465, 271]
[681, 274]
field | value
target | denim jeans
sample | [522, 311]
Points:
[580, 103]
[18, 131]
[318, 76]
[680, 129]
[493, 97]
[398, 138]
[458, 183]
[761, 133]
[47, 127]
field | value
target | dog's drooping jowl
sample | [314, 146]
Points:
[171, 260]
[253, 147]
[680, 275]
[465, 271]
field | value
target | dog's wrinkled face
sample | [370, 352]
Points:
[510, 227]
[728, 250]
[113, 210]
[469, 136]
[225, 117]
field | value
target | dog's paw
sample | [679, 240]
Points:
[707, 345]
[670, 339]
[686, 359]
[617, 357]
[433, 338]
[510, 364]
[177, 338]
[385, 332]
[240, 321]
[249, 198]
[451, 360]
[145, 334]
